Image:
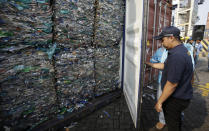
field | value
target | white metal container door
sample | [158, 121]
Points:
[132, 59]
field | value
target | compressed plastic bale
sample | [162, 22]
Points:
[109, 28]
[75, 76]
[74, 22]
[107, 70]
[27, 90]
[26, 22]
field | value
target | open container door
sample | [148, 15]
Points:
[133, 57]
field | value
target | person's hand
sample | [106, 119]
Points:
[148, 63]
[158, 107]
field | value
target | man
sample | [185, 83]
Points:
[198, 48]
[159, 57]
[176, 78]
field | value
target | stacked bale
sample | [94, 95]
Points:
[75, 76]
[74, 23]
[109, 28]
[25, 22]
[107, 70]
[37, 84]
[108, 35]
[27, 83]
[27, 90]
[74, 61]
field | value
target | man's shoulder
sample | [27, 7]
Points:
[181, 50]
[176, 58]
[179, 55]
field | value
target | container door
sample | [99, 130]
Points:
[132, 56]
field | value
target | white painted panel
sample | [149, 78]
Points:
[133, 38]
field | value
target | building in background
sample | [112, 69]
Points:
[185, 15]
[206, 35]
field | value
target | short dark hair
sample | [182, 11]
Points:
[189, 40]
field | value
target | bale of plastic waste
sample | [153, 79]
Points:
[75, 76]
[109, 28]
[108, 33]
[27, 90]
[25, 22]
[107, 69]
[74, 23]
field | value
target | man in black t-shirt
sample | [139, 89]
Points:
[176, 78]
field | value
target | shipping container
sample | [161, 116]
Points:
[59, 57]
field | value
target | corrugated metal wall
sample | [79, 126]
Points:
[159, 16]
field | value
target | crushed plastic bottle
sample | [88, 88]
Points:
[51, 51]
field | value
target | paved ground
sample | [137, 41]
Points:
[116, 116]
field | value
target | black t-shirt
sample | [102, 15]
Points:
[179, 69]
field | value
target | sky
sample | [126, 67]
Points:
[203, 13]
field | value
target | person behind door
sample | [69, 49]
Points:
[176, 78]
[159, 57]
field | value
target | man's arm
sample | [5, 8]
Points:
[169, 88]
[156, 65]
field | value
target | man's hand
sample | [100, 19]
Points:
[156, 65]
[168, 90]
[158, 107]
[149, 64]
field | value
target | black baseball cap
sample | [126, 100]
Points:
[168, 31]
